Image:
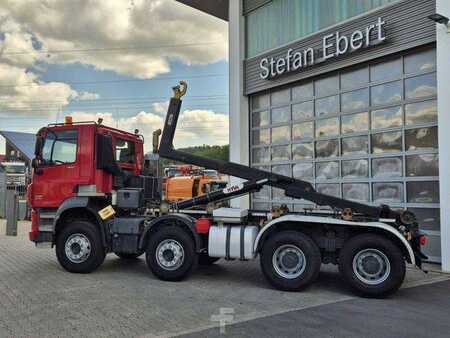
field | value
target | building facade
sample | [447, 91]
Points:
[349, 95]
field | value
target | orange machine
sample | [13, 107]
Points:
[184, 187]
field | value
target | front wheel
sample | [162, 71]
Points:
[290, 260]
[171, 253]
[372, 265]
[79, 247]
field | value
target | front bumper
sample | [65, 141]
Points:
[41, 237]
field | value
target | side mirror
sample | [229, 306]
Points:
[38, 145]
[156, 135]
[34, 163]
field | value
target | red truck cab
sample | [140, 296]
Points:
[67, 164]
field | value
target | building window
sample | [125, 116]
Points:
[367, 133]
[300, 18]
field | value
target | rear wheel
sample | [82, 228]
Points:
[79, 247]
[171, 254]
[372, 265]
[290, 260]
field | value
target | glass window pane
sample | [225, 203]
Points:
[387, 167]
[356, 191]
[328, 148]
[355, 78]
[356, 100]
[281, 153]
[327, 86]
[428, 218]
[261, 155]
[303, 110]
[327, 106]
[422, 165]
[386, 93]
[423, 192]
[281, 134]
[260, 118]
[263, 194]
[388, 192]
[420, 62]
[302, 151]
[327, 170]
[302, 130]
[421, 138]
[327, 127]
[421, 86]
[355, 123]
[386, 70]
[355, 145]
[302, 92]
[328, 189]
[261, 136]
[283, 169]
[303, 170]
[282, 114]
[65, 151]
[387, 118]
[355, 168]
[422, 112]
[260, 101]
[387, 142]
[261, 206]
[278, 194]
[281, 97]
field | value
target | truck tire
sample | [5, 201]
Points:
[372, 265]
[170, 253]
[128, 256]
[205, 260]
[79, 247]
[290, 260]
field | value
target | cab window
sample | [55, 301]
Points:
[60, 147]
[125, 151]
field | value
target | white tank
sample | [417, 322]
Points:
[240, 241]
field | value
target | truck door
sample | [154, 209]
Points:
[59, 171]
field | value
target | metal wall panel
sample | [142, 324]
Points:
[407, 26]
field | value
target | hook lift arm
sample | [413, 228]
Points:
[257, 178]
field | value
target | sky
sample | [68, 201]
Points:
[113, 59]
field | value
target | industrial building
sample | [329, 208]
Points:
[346, 94]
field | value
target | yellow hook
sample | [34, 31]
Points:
[180, 90]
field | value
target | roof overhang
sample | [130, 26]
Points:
[217, 8]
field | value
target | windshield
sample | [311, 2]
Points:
[14, 169]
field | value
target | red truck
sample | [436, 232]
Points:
[91, 195]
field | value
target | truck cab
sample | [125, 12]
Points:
[79, 162]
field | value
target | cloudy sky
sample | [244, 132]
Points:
[112, 59]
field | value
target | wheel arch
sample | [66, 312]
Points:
[302, 223]
[79, 208]
[184, 221]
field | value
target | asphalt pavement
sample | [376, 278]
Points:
[123, 299]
